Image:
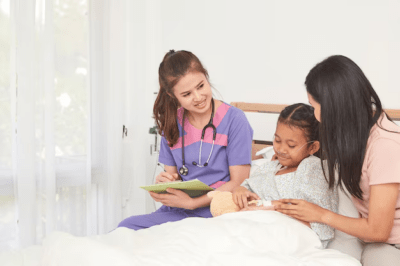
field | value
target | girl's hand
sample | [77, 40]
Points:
[241, 195]
[174, 198]
[274, 157]
[301, 210]
[167, 177]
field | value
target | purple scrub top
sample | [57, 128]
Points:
[232, 146]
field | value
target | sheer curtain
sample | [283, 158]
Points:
[61, 119]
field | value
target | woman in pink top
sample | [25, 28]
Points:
[360, 141]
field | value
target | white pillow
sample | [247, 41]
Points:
[343, 242]
[266, 153]
[257, 163]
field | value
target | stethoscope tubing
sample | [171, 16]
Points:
[184, 170]
[209, 156]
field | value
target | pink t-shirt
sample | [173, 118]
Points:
[381, 166]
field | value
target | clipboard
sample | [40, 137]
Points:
[194, 188]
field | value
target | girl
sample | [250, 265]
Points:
[202, 138]
[296, 173]
[360, 141]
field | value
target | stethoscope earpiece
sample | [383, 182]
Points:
[196, 164]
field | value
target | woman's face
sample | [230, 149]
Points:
[194, 93]
[316, 105]
[290, 145]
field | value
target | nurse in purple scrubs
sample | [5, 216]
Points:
[202, 138]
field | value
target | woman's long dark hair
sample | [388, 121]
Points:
[349, 109]
[173, 67]
[301, 116]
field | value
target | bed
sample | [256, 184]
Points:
[269, 113]
[243, 238]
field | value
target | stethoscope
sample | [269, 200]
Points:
[184, 170]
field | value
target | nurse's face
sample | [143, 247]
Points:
[194, 93]
[316, 105]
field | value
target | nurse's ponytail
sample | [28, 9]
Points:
[173, 67]
[165, 113]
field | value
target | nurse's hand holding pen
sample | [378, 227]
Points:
[175, 197]
[167, 177]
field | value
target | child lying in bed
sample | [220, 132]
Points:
[294, 171]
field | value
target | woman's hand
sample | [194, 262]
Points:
[174, 198]
[301, 210]
[241, 195]
[167, 177]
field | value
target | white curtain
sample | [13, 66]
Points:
[62, 95]
[108, 84]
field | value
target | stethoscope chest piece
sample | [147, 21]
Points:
[183, 170]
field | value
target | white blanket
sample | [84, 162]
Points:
[243, 238]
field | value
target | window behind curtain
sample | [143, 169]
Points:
[7, 197]
[71, 117]
[70, 114]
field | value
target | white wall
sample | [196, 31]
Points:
[261, 51]
[258, 50]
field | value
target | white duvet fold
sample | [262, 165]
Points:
[249, 238]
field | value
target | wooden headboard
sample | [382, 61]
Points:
[262, 108]
[263, 140]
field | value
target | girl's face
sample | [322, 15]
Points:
[316, 105]
[290, 145]
[194, 93]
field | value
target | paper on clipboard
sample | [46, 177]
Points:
[194, 188]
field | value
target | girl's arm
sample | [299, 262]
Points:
[375, 228]
[269, 208]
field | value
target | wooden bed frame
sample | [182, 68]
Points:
[276, 109]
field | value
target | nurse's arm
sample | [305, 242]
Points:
[238, 174]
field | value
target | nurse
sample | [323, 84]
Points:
[202, 138]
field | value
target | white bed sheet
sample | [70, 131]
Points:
[243, 238]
